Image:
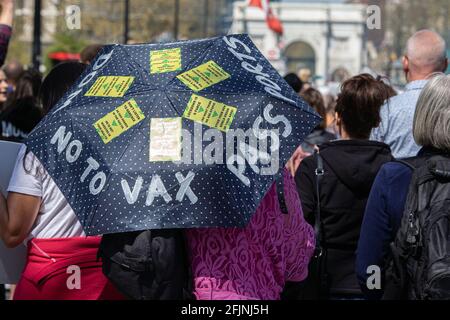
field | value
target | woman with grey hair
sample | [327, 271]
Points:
[388, 196]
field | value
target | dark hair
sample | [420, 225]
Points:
[55, 85]
[90, 52]
[294, 81]
[390, 89]
[314, 98]
[27, 86]
[58, 81]
[13, 70]
[359, 104]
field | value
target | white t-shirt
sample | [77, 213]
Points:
[55, 219]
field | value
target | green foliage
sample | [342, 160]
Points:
[102, 21]
[67, 42]
[70, 42]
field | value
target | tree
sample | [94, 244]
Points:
[64, 42]
[405, 17]
[401, 18]
[102, 21]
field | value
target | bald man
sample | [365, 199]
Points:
[425, 55]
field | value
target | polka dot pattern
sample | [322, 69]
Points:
[223, 200]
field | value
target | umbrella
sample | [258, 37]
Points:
[177, 135]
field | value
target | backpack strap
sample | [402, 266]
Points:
[319, 172]
[406, 163]
[414, 162]
[421, 173]
[425, 168]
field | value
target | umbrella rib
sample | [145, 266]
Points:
[136, 66]
[172, 104]
[138, 127]
[193, 62]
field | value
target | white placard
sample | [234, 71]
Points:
[12, 261]
[165, 139]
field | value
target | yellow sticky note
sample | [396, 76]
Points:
[203, 76]
[165, 139]
[119, 120]
[209, 112]
[167, 60]
[110, 86]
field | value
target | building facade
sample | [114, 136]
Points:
[329, 39]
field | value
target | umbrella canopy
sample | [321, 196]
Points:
[176, 135]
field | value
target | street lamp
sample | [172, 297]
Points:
[176, 19]
[205, 18]
[36, 52]
[126, 22]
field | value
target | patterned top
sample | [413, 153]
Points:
[397, 117]
[254, 262]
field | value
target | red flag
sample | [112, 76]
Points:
[272, 21]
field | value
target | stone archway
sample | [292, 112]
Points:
[299, 55]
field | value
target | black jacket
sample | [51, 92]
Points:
[350, 170]
[18, 120]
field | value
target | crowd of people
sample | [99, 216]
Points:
[345, 191]
[381, 139]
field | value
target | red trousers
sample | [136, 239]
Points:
[64, 269]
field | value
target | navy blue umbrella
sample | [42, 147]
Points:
[176, 135]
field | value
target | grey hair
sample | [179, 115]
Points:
[432, 118]
[427, 49]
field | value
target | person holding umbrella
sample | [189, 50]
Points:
[120, 144]
[59, 253]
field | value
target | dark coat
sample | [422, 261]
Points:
[18, 120]
[350, 170]
[383, 215]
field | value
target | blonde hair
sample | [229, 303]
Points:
[432, 118]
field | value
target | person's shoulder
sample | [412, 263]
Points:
[22, 151]
[306, 165]
[395, 103]
[394, 170]
[394, 166]
[328, 136]
[307, 161]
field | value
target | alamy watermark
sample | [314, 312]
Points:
[73, 17]
[73, 281]
[374, 17]
[373, 281]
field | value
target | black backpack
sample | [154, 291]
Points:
[148, 265]
[420, 265]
